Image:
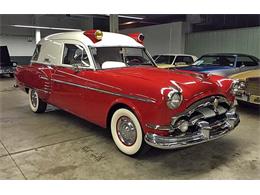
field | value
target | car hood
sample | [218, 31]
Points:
[191, 83]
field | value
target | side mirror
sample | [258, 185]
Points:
[80, 67]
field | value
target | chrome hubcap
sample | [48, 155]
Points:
[126, 131]
[34, 98]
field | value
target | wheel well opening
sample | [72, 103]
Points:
[113, 109]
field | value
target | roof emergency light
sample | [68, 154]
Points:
[94, 35]
[139, 37]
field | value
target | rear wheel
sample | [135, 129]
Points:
[36, 104]
[127, 132]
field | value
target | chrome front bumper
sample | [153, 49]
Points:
[204, 134]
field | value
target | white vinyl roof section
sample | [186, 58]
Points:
[108, 40]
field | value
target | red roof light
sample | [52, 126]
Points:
[139, 37]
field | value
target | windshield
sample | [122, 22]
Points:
[216, 60]
[115, 57]
[163, 59]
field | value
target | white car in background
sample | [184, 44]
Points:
[174, 60]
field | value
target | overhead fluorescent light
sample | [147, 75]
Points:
[124, 16]
[130, 17]
[45, 27]
[127, 23]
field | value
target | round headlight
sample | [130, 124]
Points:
[242, 85]
[174, 100]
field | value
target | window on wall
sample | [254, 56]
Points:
[74, 55]
[36, 53]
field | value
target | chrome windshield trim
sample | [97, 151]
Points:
[106, 92]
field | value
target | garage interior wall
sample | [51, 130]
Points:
[164, 38]
[21, 41]
[244, 40]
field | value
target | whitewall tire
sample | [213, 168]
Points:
[36, 104]
[126, 131]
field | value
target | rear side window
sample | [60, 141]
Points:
[184, 60]
[246, 61]
[36, 53]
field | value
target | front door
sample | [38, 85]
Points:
[68, 81]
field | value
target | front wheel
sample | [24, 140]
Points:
[36, 104]
[127, 132]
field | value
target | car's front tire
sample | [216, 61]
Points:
[127, 132]
[36, 104]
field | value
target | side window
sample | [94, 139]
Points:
[74, 55]
[36, 53]
[246, 61]
[183, 60]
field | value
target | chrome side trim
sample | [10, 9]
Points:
[44, 78]
[106, 92]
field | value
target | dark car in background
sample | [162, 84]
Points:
[6, 65]
[224, 64]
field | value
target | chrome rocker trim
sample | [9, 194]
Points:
[204, 134]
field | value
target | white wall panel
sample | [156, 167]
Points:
[164, 38]
[244, 40]
[18, 45]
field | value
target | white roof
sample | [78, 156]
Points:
[108, 40]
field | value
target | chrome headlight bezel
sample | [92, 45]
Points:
[174, 99]
[234, 87]
[242, 85]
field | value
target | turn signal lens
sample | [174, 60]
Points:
[183, 125]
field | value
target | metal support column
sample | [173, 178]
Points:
[113, 23]
[37, 35]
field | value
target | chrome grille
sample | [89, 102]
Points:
[210, 110]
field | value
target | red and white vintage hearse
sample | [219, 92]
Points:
[111, 80]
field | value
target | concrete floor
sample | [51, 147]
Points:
[58, 145]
